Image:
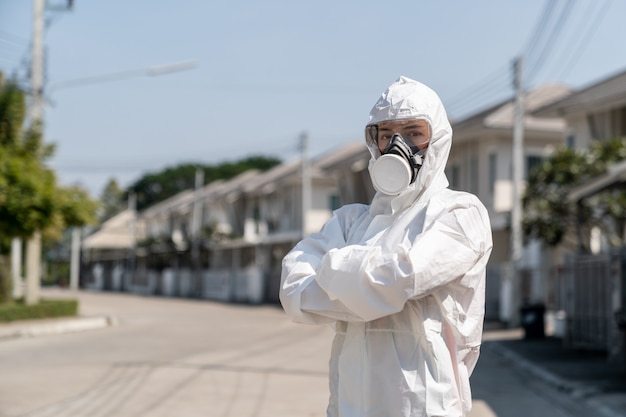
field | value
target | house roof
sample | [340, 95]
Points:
[267, 181]
[230, 188]
[501, 115]
[615, 174]
[609, 92]
[290, 171]
[354, 154]
[183, 198]
[182, 202]
[115, 233]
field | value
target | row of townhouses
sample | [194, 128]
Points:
[225, 241]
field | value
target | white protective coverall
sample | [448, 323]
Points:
[402, 279]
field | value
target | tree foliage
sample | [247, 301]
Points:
[155, 187]
[27, 186]
[112, 200]
[30, 199]
[550, 217]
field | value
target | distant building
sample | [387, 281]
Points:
[592, 287]
[481, 162]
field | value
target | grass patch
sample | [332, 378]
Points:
[45, 309]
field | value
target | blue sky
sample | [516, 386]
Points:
[266, 71]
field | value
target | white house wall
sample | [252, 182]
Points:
[320, 207]
[217, 215]
[579, 130]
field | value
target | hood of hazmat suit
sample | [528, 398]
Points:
[402, 281]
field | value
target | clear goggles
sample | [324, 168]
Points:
[415, 132]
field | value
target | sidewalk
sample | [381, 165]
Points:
[582, 374]
[61, 325]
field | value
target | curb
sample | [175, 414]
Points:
[54, 326]
[573, 389]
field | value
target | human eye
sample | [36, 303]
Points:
[415, 134]
[384, 137]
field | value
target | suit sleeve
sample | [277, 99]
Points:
[300, 294]
[376, 281]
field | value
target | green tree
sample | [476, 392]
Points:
[26, 184]
[30, 199]
[112, 200]
[550, 217]
[155, 187]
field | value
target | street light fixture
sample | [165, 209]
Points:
[153, 71]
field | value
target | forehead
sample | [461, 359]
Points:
[403, 124]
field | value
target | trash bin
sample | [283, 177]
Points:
[532, 320]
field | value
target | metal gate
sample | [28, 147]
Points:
[591, 290]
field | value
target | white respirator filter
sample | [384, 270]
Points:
[397, 167]
[391, 174]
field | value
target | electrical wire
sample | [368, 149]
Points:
[533, 66]
[7, 60]
[13, 38]
[549, 32]
[10, 43]
[496, 83]
[12, 46]
[576, 52]
[530, 48]
[579, 31]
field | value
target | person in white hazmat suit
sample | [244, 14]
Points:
[402, 279]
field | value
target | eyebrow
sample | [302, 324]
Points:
[417, 125]
[406, 123]
[410, 126]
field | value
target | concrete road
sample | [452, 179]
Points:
[176, 357]
[169, 357]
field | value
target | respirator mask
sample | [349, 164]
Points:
[397, 167]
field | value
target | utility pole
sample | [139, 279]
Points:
[518, 163]
[196, 227]
[518, 177]
[132, 224]
[16, 267]
[33, 246]
[306, 182]
[75, 259]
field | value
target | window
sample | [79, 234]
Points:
[473, 174]
[618, 123]
[333, 202]
[493, 170]
[570, 141]
[455, 177]
[532, 161]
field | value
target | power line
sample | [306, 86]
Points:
[10, 43]
[562, 19]
[576, 52]
[578, 31]
[13, 38]
[539, 29]
[10, 61]
[498, 83]
[16, 46]
[472, 97]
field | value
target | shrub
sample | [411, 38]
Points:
[44, 309]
